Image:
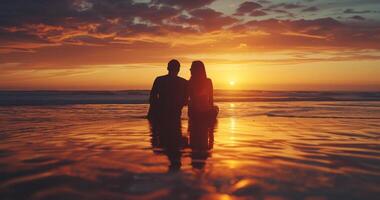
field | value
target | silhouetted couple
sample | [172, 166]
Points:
[168, 96]
[170, 93]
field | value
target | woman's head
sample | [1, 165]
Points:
[198, 69]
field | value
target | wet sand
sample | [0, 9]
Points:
[283, 150]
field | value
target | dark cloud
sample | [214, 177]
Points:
[257, 13]
[57, 12]
[185, 4]
[310, 9]
[206, 19]
[83, 21]
[247, 8]
[352, 11]
[264, 1]
[358, 17]
[16, 12]
[287, 6]
[284, 8]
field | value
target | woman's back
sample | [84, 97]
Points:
[201, 96]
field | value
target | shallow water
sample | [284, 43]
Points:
[266, 150]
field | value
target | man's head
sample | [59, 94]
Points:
[173, 67]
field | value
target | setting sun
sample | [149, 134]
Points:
[232, 83]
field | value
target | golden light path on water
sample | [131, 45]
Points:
[283, 150]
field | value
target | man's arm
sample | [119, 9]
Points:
[154, 93]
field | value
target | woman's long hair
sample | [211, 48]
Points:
[198, 79]
[198, 71]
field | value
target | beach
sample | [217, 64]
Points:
[307, 149]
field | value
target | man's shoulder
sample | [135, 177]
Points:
[167, 77]
[161, 77]
[182, 79]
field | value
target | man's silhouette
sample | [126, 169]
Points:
[167, 98]
[168, 95]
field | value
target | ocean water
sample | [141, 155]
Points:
[265, 145]
[10, 98]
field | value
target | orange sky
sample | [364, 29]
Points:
[259, 45]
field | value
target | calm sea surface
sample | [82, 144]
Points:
[260, 150]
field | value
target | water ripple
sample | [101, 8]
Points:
[315, 150]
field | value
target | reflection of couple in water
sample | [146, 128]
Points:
[168, 96]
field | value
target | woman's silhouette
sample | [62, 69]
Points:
[201, 100]
[202, 115]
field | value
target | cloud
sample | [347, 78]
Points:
[310, 9]
[316, 33]
[205, 19]
[287, 6]
[357, 17]
[184, 4]
[247, 8]
[283, 13]
[83, 22]
[69, 33]
[16, 12]
[257, 13]
[82, 5]
[352, 11]
[264, 1]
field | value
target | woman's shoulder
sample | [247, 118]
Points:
[209, 80]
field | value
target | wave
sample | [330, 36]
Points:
[8, 98]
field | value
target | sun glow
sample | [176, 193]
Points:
[232, 83]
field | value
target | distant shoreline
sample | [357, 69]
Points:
[12, 98]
